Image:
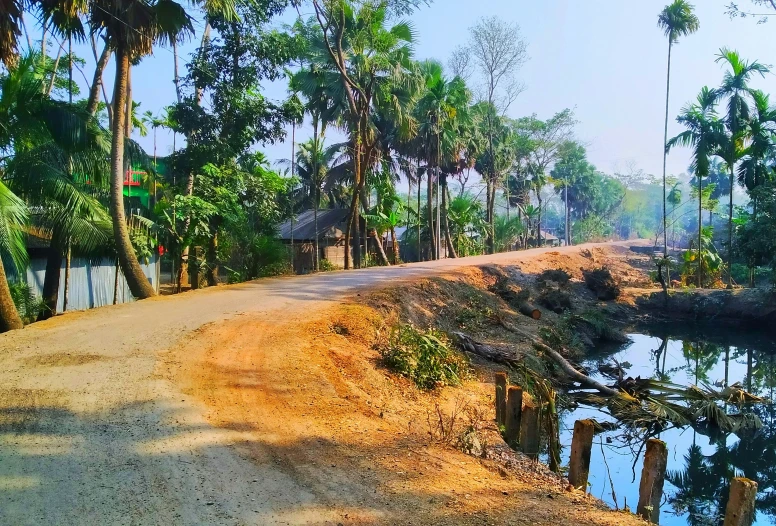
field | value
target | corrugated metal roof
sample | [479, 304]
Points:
[329, 220]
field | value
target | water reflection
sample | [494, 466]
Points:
[700, 465]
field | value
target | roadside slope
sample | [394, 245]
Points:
[96, 425]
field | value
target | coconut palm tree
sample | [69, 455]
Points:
[735, 88]
[676, 20]
[132, 28]
[704, 134]
[13, 217]
[756, 166]
[372, 62]
[312, 165]
[439, 111]
[432, 110]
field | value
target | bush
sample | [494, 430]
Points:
[324, 265]
[27, 304]
[424, 357]
[261, 256]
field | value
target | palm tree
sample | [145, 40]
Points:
[676, 20]
[312, 165]
[735, 88]
[704, 133]
[674, 199]
[440, 110]
[56, 161]
[13, 216]
[466, 217]
[507, 231]
[132, 28]
[756, 165]
[372, 63]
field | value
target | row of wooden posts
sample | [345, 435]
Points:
[519, 417]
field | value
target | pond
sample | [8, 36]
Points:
[699, 467]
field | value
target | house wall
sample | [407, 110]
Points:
[91, 283]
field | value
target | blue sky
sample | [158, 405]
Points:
[605, 59]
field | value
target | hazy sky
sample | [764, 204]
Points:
[606, 59]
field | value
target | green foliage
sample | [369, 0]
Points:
[28, 305]
[324, 265]
[756, 235]
[506, 232]
[711, 264]
[260, 256]
[425, 357]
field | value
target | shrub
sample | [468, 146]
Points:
[324, 265]
[425, 357]
[27, 304]
[261, 256]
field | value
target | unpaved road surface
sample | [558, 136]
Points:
[94, 431]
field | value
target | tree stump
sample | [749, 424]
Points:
[740, 506]
[529, 430]
[501, 398]
[581, 448]
[513, 413]
[652, 478]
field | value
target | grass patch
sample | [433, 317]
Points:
[425, 357]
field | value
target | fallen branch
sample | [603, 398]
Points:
[529, 310]
[472, 346]
[562, 362]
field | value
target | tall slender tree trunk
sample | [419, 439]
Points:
[9, 316]
[184, 263]
[539, 222]
[396, 255]
[54, 70]
[212, 255]
[108, 105]
[567, 214]
[430, 214]
[317, 234]
[730, 228]
[94, 91]
[378, 242]
[445, 223]
[116, 283]
[175, 70]
[420, 180]
[51, 279]
[68, 259]
[138, 284]
[438, 238]
[665, 154]
[700, 231]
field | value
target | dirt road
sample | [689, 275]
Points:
[95, 429]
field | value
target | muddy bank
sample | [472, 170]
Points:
[751, 308]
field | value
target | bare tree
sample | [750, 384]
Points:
[460, 63]
[496, 52]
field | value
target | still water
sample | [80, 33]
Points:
[699, 468]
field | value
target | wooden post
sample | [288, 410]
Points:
[652, 477]
[501, 398]
[581, 447]
[514, 411]
[529, 430]
[740, 506]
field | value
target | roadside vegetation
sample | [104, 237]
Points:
[479, 181]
